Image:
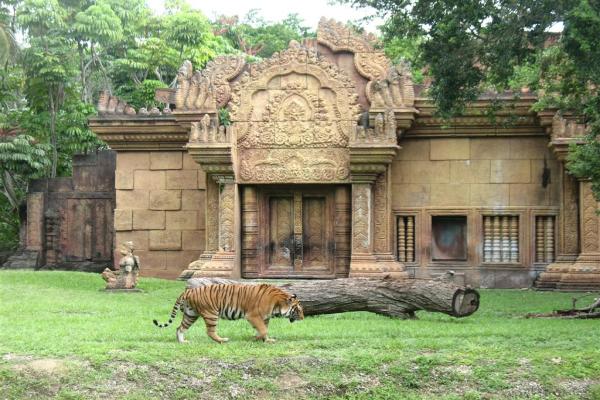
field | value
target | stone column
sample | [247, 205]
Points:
[383, 222]
[584, 274]
[568, 232]
[211, 229]
[223, 261]
[362, 262]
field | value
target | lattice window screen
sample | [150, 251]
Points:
[544, 238]
[501, 238]
[406, 238]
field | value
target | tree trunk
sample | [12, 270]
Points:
[394, 298]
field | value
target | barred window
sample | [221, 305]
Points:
[544, 238]
[501, 238]
[406, 238]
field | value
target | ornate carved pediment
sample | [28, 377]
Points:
[389, 86]
[208, 89]
[293, 117]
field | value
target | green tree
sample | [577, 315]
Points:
[257, 37]
[471, 46]
[21, 159]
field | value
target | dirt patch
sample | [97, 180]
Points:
[44, 366]
[290, 381]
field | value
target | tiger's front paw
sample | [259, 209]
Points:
[269, 340]
[224, 340]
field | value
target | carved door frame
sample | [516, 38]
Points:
[256, 245]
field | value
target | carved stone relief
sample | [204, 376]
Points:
[570, 230]
[361, 222]
[208, 89]
[212, 215]
[300, 166]
[380, 214]
[293, 115]
[226, 217]
[590, 240]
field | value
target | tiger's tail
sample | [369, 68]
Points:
[176, 307]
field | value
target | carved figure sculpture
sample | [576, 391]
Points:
[126, 277]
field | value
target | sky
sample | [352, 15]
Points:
[275, 10]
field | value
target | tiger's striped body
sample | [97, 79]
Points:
[256, 303]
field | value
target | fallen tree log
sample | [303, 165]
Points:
[394, 298]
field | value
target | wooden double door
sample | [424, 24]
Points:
[302, 231]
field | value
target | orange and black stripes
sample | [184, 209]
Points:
[176, 307]
[256, 303]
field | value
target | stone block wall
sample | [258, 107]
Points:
[477, 172]
[160, 198]
[476, 177]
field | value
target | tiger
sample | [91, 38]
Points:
[256, 303]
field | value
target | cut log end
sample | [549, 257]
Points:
[465, 302]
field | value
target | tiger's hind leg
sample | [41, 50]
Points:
[211, 327]
[189, 317]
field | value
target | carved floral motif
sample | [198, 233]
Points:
[590, 240]
[305, 165]
[294, 119]
[361, 229]
[380, 214]
[227, 215]
[288, 130]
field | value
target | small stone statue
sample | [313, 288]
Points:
[127, 275]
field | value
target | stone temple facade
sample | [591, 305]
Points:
[325, 161]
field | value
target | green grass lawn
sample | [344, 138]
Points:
[61, 337]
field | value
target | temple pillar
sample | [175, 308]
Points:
[210, 146]
[568, 232]
[362, 261]
[584, 274]
[223, 261]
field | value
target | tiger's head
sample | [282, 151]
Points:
[295, 312]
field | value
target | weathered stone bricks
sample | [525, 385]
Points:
[489, 149]
[510, 171]
[529, 148]
[450, 194]
[411, 195]
[164, 240]
[529, 195]
[165, 200]
[123, 179]
[179, 260]
[147, 219]
[193, 240]
[494, 195]
[182, 179]
[422, 171]
[130, 161]
[192, 199]
[182, 220]
[139, 239]
[166, 160]
[123, 220]
[132, 199]
[450, 149]
[149, 179]
[470, 171]
[189, 163]
[414, 150]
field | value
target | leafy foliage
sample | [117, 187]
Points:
[72, 50]
[473, 46]
[257, 37]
